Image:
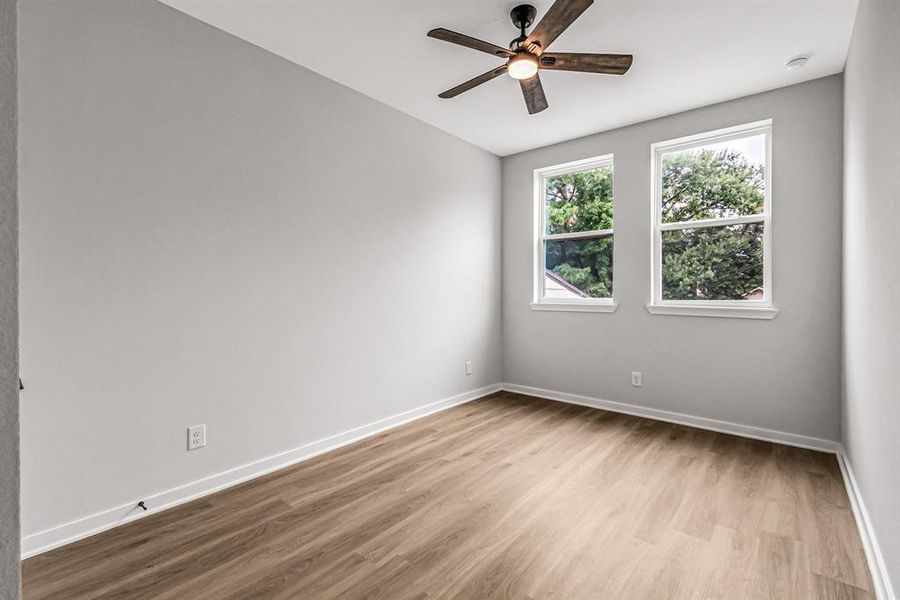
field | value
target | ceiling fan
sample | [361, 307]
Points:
[527, 53]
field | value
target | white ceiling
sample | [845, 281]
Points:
[687, 53]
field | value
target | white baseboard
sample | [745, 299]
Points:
[66, 533]
[877, 566]
[749, 431]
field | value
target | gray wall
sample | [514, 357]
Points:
[9, 325]
[211, 234]
[782, 374]
[871, 408]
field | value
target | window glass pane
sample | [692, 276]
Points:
[718, 180]
[580, 201]
[713, 263]
[579, 268]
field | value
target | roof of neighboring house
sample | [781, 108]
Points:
[563, 283]
[754, 294]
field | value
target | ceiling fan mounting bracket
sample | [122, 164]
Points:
[523, 16]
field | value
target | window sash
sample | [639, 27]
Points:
[578, 235]
[704, 223]
[540, 220]
[657, 152]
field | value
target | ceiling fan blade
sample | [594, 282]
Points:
[533, 91]
[469, 42]
[555, 21]
[475, 81]
[612, 64]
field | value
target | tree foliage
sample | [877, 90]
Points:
[581, 202]
[710, 185]
[713, 263]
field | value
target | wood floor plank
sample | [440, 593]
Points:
[505, 497]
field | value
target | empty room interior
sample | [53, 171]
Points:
[441, 299]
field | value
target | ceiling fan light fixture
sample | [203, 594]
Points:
[522, 66]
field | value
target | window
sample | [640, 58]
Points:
[574, 236]
[712, 224]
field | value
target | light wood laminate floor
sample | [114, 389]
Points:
[506, 497]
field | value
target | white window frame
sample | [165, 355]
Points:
[541, 176]
[752, 309]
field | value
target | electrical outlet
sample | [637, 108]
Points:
[636, 378]
[468, 367]
[196, 436]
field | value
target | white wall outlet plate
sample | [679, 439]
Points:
[468, 367]
[636, 378]
[196, 436]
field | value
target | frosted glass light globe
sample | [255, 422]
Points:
[522, 66]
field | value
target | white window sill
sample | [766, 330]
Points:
[733, 312]
[603, 306]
